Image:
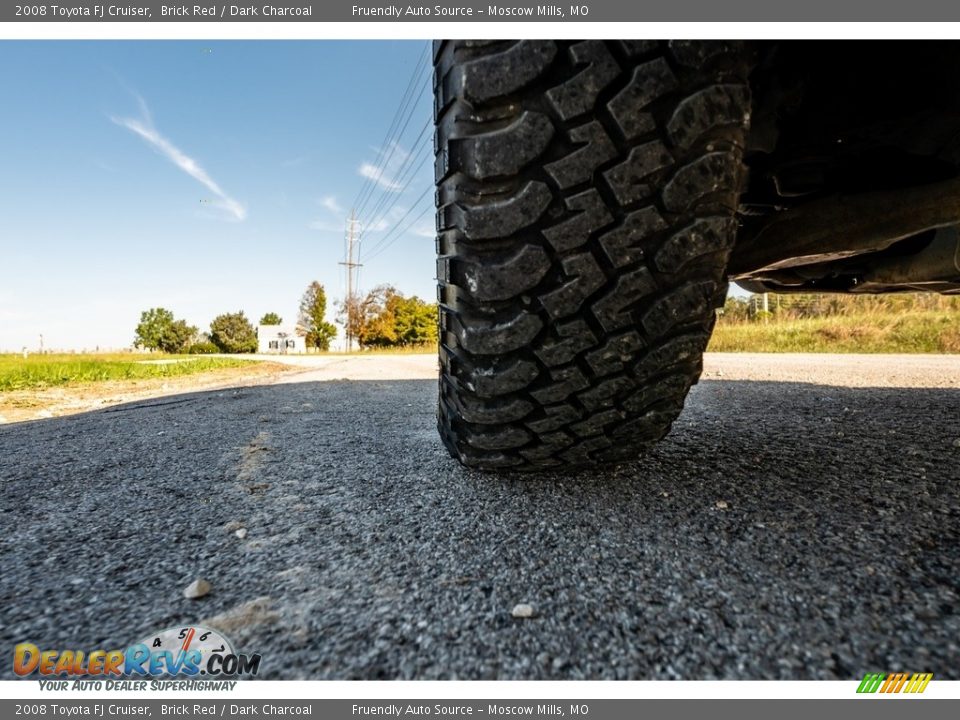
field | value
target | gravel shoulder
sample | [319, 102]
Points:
[840, 370]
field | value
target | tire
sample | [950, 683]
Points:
[585, 214]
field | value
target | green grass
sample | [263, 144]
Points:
[39, 371]
[910, 332]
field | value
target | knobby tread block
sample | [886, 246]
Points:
[567, 299]
[556, 417]
[499, 280]
[502, 73]
[711, 174]
[614, 354]
[498, 438]
[649, 82]
[597, 422]
[502, 411]
[613, 310]
[566, 381]
[714, 106]
[701, 237]
[579, 166]
[495, 380]
[504, 151]
[630, 180]
[590, 213]
[489, 337]
[623, 244]
[579, 94]
[682, 304]
[574, 337]
[503, 216]
[586, 193]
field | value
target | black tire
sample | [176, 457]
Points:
[585, 214]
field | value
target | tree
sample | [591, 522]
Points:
[233, 333]
[350, 315]
[416, 321]
[375, 324]
[271, 318]
[388, 319]
[312, 320]
[158, 330]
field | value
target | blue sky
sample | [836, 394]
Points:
[205, 177]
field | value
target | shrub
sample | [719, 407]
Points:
[233, 333]
[203, 348]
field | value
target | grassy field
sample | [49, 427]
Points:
[909, 332]
[39, 371]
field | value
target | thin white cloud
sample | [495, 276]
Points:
[145, 129]
[379, 177]
[384, 174]
[425, 231]
[331, 204]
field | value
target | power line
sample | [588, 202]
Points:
[395, 231]
[416, 150]
[393, 123]
[396, 225]
[389, 141]
[393, 148]
[405, 176]
[400, 234]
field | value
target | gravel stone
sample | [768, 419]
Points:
[197, 589]
[523, 610]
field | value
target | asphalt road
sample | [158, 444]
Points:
[784, 529]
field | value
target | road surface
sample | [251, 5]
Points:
[801, 521]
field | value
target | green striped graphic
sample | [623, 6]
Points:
[871, 682]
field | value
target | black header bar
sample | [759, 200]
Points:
[299, 11]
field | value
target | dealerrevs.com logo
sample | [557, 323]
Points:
[176, 652]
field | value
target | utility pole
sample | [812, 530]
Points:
[351, 255]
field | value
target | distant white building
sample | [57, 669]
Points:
[279, 339]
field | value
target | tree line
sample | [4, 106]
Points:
[383, 318]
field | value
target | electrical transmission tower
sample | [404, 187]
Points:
[351, 254]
